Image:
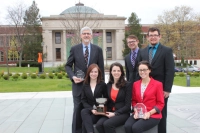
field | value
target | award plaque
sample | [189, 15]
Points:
[141, 110]
[102, 108]
[80, 74]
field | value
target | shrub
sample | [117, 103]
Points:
[189, 73]
[6, 76]
[33, 76]
[43, 76]
[56, 73]
[51, 75]
[15, 76]
[24, 76]
[181, 74]
[63, 73]
[10, 74]
[196, 74]
[61, 68]
[59, 76]
[1, 74]
[66, 75]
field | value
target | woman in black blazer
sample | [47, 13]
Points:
[119, 101]
[93, 88]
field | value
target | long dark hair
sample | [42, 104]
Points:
[87, 77]
[121, 82]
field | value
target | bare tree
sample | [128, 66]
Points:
[180, 31]
[79, 16]
[15, 17]
[4, 44]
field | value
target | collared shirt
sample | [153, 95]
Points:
[155, 48]
[136, 52]
[89, 48]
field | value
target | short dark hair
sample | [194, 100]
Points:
[152, 29]
[145, 63]
[87, 78]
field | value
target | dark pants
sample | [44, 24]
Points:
[162, 126]
[77, 121]
[140, 125]
[108, 125]
[89, 119]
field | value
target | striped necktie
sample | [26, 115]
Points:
[151, 54]
[86, 55]
[133, 57]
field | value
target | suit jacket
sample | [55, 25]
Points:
[123, 100]
[152, 97]
[132, 73]
[88, 99]
[76, 62]
[162, 65]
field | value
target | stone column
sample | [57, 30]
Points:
[119, 34]
[104, 44]
[64, 50]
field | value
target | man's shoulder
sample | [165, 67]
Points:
[76, 46]
[95, 46]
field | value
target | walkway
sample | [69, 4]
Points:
[51, 112]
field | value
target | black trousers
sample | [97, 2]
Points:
[76, 120]
[139, 125]
[108, 125]
[162, 126]
[89, 119]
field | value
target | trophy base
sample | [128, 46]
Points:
[101, 110]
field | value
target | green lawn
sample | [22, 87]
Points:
[181, 81]
[35, 85]
[26, 69]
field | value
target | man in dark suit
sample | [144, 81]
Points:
[162, 62]
[81, 56]
[131, 60]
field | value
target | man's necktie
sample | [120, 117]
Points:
[86, 55]
[151, 54]
[133, 57]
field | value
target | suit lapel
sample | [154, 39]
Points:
[157, 54]
[81, 54]
[92, 53]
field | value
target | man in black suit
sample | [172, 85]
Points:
[162, 62]
[131, 60]
[81, 56]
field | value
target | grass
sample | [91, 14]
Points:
[181, 81]
[26, 69]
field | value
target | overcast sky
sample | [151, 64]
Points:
[146, 10]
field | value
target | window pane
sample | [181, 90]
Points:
[58, 54]
[58, 38]
[109, 52]
[108, 37]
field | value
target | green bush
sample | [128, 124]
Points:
[15, 76]
[51, 75]
[10, 74]
[43, 76]
[66, 75]
[189, 73]
[1, 74]
[33, 76]
[6, 76]
[56, 73]
[196, 74]
[60, 68]
[31, 63]
[181, 74]
[24, 76]
[63, 73]
[59, 76]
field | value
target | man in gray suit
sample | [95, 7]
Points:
[81, 56]
[131, 60]
[162, 62]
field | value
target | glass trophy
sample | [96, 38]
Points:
[80, 74]
[102, 108]
[141, 110]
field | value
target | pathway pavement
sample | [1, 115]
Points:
[51, 112]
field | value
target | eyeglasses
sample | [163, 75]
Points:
[131, 42]
[143, 70]
[153, 35]
[86, 33]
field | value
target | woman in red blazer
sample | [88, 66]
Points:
[148, 92]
